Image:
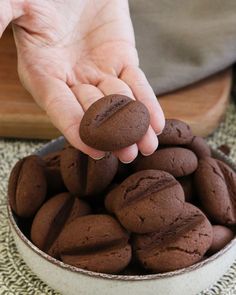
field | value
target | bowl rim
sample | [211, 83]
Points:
[118, 277]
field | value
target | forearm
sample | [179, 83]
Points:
[10, 10]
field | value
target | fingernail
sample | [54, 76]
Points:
[149, 154]
[126, 162]
[98, 158]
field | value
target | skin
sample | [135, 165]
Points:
[73, 52]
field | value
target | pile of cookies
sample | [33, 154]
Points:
[160, 213]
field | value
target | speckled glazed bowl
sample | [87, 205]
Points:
[70, 280]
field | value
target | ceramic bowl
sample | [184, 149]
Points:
[70, 280]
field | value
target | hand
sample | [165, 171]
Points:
[73, 52]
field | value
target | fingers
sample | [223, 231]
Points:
[2, 26]
[143, 92]
[65, 112]
[5, 18]
[86, 94]
[10, 10]
[61, 104]
[149, 143]
[127, 154]
[112, 85]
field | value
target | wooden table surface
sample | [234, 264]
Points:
[202, 105]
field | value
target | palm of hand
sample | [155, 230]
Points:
[67, 65]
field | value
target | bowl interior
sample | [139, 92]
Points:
[18, 224]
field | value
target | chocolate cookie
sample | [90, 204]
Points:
[55, 182]
[50, 220]
[27, 186]
[177, 161]
[146, 201]
[188, 187]
[97, 243]
[222, 235]
[216, 187]
[85, 176]
[200, 147]
[114, 122]
[176, 132]
[181, 244]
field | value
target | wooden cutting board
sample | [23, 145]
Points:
[202, 105]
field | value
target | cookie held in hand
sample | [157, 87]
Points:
[114, 122]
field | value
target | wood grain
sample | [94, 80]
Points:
[202, 105]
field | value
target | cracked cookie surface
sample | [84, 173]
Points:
[175, 132]
[216, 187]
[181, 244]
[114, 122]
[177, 161]
[146, 201]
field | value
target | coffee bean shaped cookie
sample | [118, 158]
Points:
[188, 187]
[97, 243]
[85, 176]
[114, 122]
[200, 147]
[146, 201]
[180, 245]
[27, 186]
[50, 220]
[216, 187]
[176, 132]
[222, 235]
[177, 161]
[55, 182]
